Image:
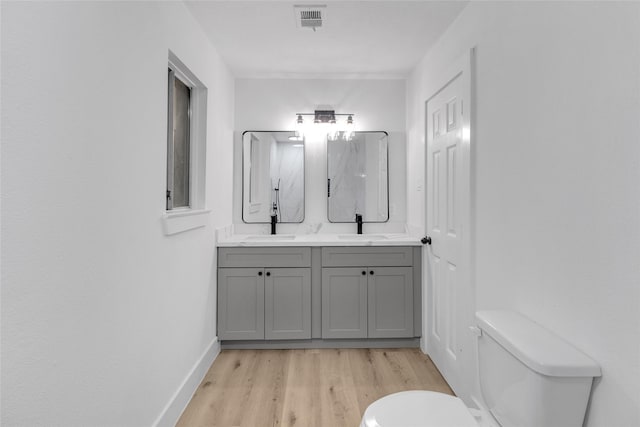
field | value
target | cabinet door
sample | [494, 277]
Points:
[344, 303]
[240, 303]
[390, 295]
[287, 300]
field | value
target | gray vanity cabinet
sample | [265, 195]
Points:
[390, 302]
[303, 297]
[287, 303]
[374, 301]
[241, 303]
[264, 293]
[344, 303]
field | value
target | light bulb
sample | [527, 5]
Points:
[333, 130]
[300, 126]
[349, 129]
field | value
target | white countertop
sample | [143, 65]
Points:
[377, 239]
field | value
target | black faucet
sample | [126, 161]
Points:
[274, 221]
[359, 222]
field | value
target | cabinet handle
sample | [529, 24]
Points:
[371, 272]
[268, 273]
[364, 272]
[259, 273]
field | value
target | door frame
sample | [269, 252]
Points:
[463, 67]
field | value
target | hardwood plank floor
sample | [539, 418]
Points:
[308, 388]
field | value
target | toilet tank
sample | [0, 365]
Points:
[529, 376]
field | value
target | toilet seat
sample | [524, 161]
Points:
[418, 408]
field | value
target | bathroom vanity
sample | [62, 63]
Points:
[264, 293]
[319, 291]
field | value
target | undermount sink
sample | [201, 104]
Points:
[271, 237]
[362, 237]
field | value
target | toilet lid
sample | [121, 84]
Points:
[418, 409]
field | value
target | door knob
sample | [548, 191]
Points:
[426, 240]
[268, 273]
[259, 273]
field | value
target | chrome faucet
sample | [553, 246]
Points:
[359, 222]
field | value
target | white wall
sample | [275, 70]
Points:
[271, 104]
[557, 173]
[103, 316]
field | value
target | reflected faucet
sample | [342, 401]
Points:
[359, 222]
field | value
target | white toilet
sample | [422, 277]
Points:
[529, 377]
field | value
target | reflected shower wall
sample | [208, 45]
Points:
[273, 177]
[358, 178]
[287, 160]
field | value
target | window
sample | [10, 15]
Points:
[178, 150]
[186, 134]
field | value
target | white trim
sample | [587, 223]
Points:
[182, 71]
[180, 399]
[179, 220]
[482, 415]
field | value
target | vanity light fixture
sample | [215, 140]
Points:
[327, 120]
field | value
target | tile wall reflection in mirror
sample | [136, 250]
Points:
[273, 176]
[357, 172]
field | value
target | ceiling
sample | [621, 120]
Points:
[358, 38]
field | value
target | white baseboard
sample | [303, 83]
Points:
[178, 402]
[482, 415]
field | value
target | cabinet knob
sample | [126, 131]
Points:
[364, 272]
[371, 272]
[259, 273]
[268, 273]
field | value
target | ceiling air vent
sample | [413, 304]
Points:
[310, 16]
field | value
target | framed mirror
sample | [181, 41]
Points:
[272, 176]
[358, 181]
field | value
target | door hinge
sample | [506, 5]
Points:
[168, 194]
[329, 187]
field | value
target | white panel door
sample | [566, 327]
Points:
[450, 294]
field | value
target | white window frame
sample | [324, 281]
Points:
[195, 215]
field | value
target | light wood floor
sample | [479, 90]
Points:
[321, 388]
